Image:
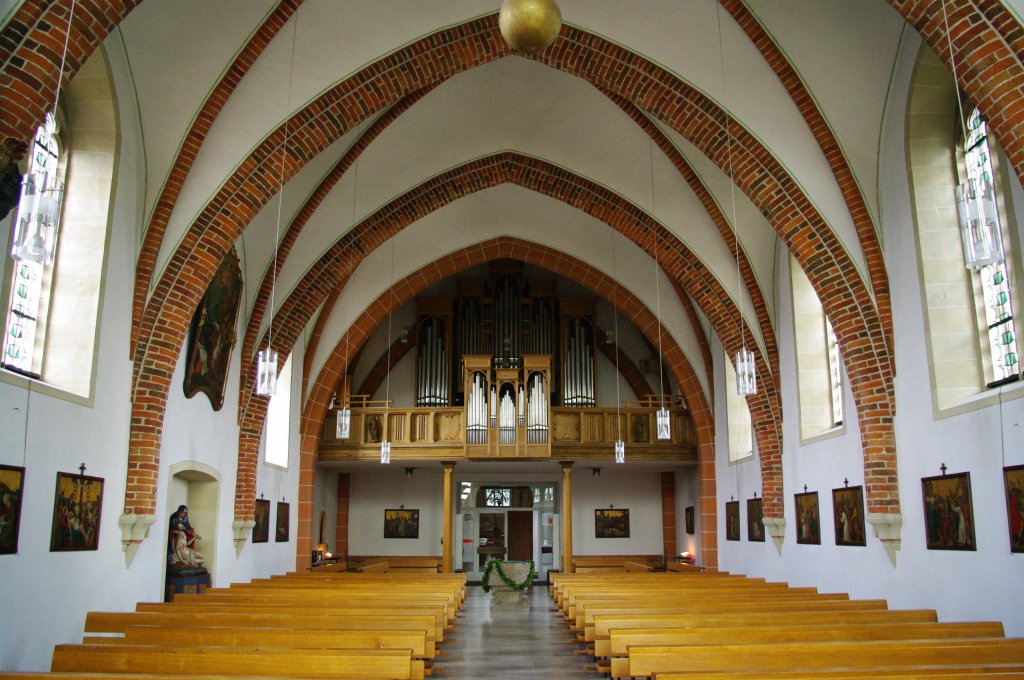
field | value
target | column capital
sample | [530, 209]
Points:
[566, 464]
[448, 465]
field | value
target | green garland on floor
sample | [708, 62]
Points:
[495, 565]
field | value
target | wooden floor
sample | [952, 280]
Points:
[511, 645]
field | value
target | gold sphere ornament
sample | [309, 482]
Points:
[529, 26]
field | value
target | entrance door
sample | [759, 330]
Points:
[520, 535]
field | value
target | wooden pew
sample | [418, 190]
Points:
[398, 563]
[118, 622]
[621, 639]
[584, 564]
[959, 671]
[388, 664]
[602, 625]
[355, 608]
[646, 661]
[289, 638]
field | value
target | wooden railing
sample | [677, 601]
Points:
[433, 433]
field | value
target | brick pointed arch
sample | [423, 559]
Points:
[678, 262]
[322, 388]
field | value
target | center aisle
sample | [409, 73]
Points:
[506, 645]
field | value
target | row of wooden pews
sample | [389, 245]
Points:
[302, 625]
[693, 625]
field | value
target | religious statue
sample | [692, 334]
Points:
[181, 544]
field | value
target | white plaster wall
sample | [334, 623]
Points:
[979, 585]
[687, 494]
[377, 489]
[62, 434]
[638, 491]
[325, 499]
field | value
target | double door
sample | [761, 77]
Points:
[498, 533]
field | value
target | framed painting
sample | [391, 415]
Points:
[732, 520]
[77, 503]
[948, 512]
[12, 481]
[689, 520]
[1014, 480]
[611, 523]
[261, 530]
[401, 523]
[281, 528]
[211, 333]
[755, 528]
[808, 518]
[848, 515]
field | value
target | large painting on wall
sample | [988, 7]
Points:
[755, 528]
[281, 528]
[1014, 479]
[848, 515]
[611, 523]
[948, 512]
[732, 520]
[77, 503]
[401, 523]
[808, 518]
[12, 481]
[261, 530]
[212, 333]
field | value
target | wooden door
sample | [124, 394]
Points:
[520, 535]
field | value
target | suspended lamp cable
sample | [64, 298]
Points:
[385, 445]
[266, 363]
[620, 445]
[662, 421]
[344, 417]
[746, 380]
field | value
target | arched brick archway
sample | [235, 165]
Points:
[676, 260]
[322, 388]
[985, 37]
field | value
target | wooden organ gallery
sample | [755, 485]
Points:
[507, 369]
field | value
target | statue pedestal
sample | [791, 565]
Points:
[504, 598]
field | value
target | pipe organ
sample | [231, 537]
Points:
[507, 408]
[578, 387]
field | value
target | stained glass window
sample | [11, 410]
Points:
[497, 496]
[22, 341]
[994, 279]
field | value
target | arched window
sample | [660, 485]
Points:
[741, 435]
[992, 293]
[29, 300]
[818, 360]
[279, 419]
[60, 346]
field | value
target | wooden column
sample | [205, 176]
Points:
[446, 541]
[566, 517]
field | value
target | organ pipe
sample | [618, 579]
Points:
[579, 367]
[537, 416]
[507, 419]
[433, 365]
[476, 411]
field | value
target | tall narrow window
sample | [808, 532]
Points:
[29, 299]
[741, 436]
[279, 418]
[835, 374]
[993, 297]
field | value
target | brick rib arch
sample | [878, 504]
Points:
[790, 79]
[697, 186]
[309, 208]
[678, 263]
[316, 406]
[189, 148]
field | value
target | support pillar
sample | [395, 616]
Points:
[341, 528]
[446, 541]
[566, 517]
[668, 514]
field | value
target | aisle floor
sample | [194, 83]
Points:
[511, 645]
